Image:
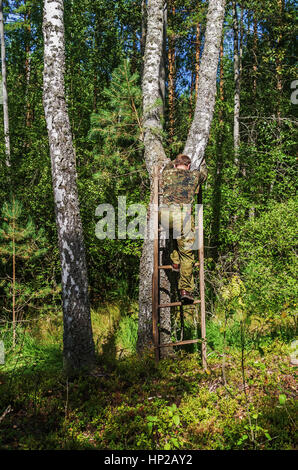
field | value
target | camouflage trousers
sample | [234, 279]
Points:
[181, 226]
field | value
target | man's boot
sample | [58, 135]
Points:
[186, 296]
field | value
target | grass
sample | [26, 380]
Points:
[134, 403]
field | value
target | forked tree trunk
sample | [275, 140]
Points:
[78, 342]
[4, 89]
[152, 112]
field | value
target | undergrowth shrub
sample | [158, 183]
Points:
[127, 333]
[268, 261]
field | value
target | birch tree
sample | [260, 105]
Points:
[237, 65]
[152, 122]
[153, 109]
[4, 88]
[77, 337]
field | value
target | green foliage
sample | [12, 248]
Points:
[250, 228]
[103, 88]
[116, 132]
[138, 404]
[119, 123]
[127, 333]
[269, 262]
[22, 247]
[12, 234]
[166, 424]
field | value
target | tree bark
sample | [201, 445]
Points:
[171, 76]
[28, 65]
[279, 58]
[236, 133]
[197, 61]
[153, 110]
[77, 337]
[4, 89]
[143, 33]
[199, 131]
[255, 60]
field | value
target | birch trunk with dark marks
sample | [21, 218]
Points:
[78, 343]
[279, 56]
[197, 60]
[171, 75]
[236, 132]
[143, 32]
[153, 88]
[198, 135]
[28, 66]
[4, 89]
[153, 99]
[254, 52]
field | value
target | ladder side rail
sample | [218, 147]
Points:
[202, 283]
[155, 275]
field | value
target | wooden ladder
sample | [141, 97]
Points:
[156, 306]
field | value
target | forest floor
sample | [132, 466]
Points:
[245, 400]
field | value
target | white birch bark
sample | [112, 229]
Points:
[236, 133]
[153, 89]
[77, 336]
[198, 135]
[4, 89]
[152, 85]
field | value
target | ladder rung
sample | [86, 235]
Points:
[176, 304]
[179, 343]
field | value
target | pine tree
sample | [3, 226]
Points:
[19, 243]
[118, 125]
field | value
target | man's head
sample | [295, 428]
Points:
[182, 162]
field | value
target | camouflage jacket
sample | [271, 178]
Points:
[179, 186]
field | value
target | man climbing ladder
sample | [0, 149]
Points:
[179, 185]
